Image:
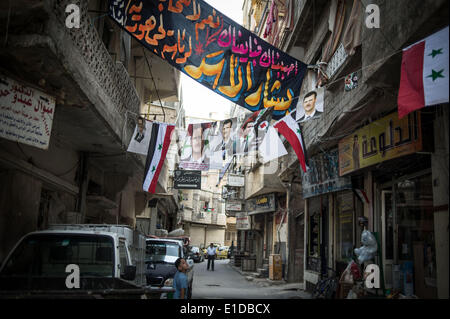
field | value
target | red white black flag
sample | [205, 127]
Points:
[157, 150]
[289, 128]
[424, 74]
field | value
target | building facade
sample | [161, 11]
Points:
[100, 82]
[403, 188]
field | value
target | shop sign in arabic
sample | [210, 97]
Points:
[236, 180]
[322, 175]
[233, 206]
[214, 50]
[261, 204]
[184, 179]
[379, 141]
[243, 221]
[26, 114]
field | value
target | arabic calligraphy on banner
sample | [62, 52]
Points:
[214, 50]
[26, 114]
[187, 179]
[379, 141]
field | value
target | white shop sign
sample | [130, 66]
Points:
[26, 114]
[243, 221]
[233, 206]
[236, 180]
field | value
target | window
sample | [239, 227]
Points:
[344, 225]
[415, 224]
[162, 251]
[123, 256]
[48, 255]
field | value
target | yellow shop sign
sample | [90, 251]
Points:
[379, 141]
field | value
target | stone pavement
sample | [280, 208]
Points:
[277, 286]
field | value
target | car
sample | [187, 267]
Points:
[161, 255]
[197, 254]
[222, 252]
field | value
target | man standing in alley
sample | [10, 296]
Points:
[211, 252]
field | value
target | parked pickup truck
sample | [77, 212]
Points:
[111, 261]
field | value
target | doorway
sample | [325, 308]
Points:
[408, 236]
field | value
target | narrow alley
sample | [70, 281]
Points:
[227, 282]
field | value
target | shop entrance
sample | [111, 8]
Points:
[408, 242]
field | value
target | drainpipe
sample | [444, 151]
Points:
[83, 179]
[288, 188]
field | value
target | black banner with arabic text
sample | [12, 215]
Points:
[215, 51]
[187, 179]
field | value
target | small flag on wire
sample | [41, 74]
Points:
[157, 150]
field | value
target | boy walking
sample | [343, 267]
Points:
[180, 280]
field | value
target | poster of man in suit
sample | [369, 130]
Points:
[310, 106]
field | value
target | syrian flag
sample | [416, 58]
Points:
[424, 74]
[289, 128]
[157, 150]
[362, 195]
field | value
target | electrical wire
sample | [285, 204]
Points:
[154, 83]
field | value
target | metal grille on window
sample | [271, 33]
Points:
[337, 60]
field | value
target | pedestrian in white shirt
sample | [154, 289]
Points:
[211, 252]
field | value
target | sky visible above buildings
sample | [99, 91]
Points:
[199, 101]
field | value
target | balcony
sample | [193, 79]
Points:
[186, 215]
[94, 95]
[201, 217]
[219, 219]
[263, 179]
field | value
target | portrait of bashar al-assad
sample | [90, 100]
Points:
[141, 130]
[195, 146]
[311, 106]
[227, 145]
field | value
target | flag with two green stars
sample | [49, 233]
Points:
[424, 74]
[157, 151]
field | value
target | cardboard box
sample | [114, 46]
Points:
[275, 267]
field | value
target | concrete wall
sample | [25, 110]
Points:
[214, 235]
[402, 22]
[58, 159]
[19, 198]
[197, 234]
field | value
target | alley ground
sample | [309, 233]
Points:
[225, 282]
